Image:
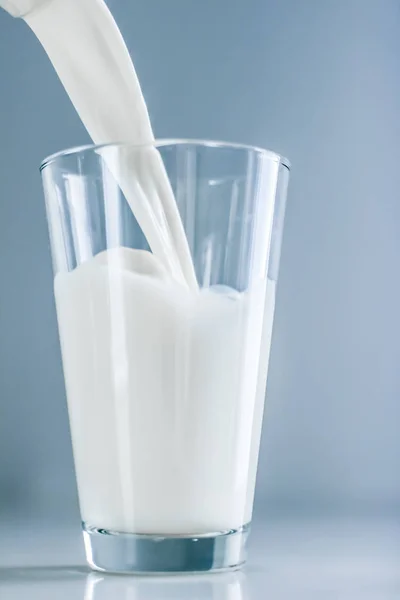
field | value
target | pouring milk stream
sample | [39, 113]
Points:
[183, 348]
[89, 55]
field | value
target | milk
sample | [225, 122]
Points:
[90, 57]
[165, 414]
[165, 382]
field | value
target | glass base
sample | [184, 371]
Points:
[150, 554]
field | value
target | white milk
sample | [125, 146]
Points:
[164, 382]
[90, 57]
[164, 409]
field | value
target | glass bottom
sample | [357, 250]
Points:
[114, 552]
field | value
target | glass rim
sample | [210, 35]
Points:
[160, 143]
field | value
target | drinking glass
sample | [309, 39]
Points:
[165, 358]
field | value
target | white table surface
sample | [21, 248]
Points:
[347, 559]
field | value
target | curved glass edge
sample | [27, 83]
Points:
[167, 142]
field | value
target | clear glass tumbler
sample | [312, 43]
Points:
[165, 356]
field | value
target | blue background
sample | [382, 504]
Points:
[316, 80]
